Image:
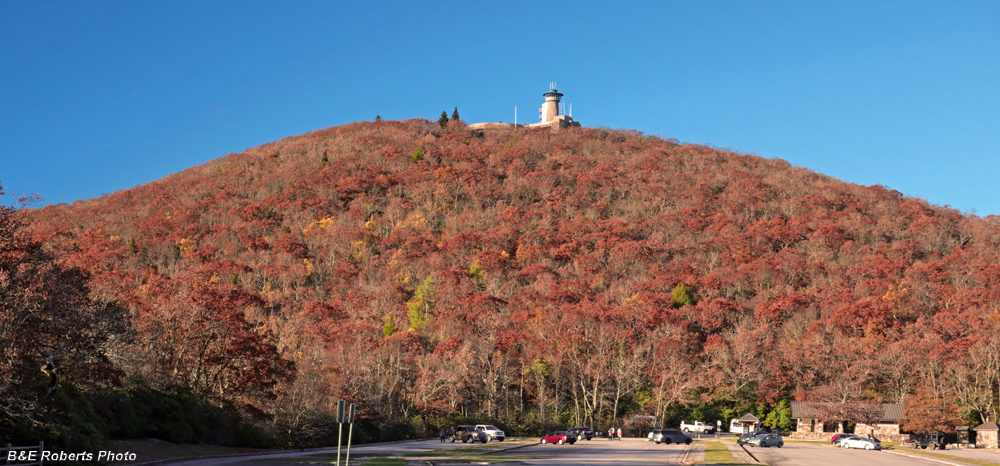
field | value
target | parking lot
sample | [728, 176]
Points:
[639, 452]
[817, 453]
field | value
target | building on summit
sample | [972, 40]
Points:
[549, 115]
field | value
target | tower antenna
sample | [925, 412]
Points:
[515, 115]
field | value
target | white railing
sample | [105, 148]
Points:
[23, 456]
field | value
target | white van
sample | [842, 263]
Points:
[735, 426]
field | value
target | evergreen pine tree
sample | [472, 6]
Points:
[681, 296]
[454, 115]
[443, 121]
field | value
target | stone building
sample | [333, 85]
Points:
[810, 418]
[986, 435]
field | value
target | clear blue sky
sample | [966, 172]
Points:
[97, 96]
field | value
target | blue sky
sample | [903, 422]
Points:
[97, 96]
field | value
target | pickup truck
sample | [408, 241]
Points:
[698, 427]
[491, 432]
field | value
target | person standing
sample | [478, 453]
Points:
[611, 433]
[619, 433]
[441, 434]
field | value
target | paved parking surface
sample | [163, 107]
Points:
[396, 448]
[639, 452]
[803, 454]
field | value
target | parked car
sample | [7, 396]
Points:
[582, 433]
[698, 427]
[491, 432]
[857, 441]
[766, 440]
[668, 436]
[835, 440]
[469, 434]
[745, 438]
[559, 437]
[934, 441]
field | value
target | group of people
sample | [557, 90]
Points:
[611, 433]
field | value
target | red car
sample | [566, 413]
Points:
[835, 440]
[559, 437]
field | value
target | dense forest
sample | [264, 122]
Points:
[530, 278]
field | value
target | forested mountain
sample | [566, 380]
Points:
[529, 277]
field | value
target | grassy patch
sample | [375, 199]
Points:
[717, 453]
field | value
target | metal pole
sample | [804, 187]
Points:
[350, 430]
[340, 431]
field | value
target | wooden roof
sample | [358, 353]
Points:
[988, 426]
[891, 412]
[748, 418]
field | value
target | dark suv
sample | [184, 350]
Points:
[469, 433]
[934, 441]
[582, 433]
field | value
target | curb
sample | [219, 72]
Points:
[687, 452]
[278, 452]
[754, 458]
[928, 458]
[515, 447]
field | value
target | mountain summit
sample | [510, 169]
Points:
[531, 277]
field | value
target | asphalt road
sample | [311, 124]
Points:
[810, 454]
[396, 448]
[635, 452]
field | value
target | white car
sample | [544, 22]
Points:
[767, 440]
[856, 441]
[491, 432]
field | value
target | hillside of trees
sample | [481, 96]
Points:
[530, 278]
